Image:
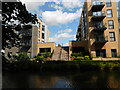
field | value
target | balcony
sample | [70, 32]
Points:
[97, 6]
[26, 43]
[99, 27]
[78, 35]
[98, 16]
[27, 33]
[101, 39]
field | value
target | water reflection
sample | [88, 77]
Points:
[62, 80]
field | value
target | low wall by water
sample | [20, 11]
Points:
[105, 59]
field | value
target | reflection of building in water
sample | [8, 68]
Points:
[44, 81]
[113, 82]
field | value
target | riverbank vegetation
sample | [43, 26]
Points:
[79, 56]
[34, 65]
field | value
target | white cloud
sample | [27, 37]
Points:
[33, 5]
[59, 37]
[59, 17]
[66, 30]
[57, 7]
[62, 34]
[71, 4]
[66, 44]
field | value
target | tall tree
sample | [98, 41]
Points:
[14, 15]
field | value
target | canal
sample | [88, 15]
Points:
[73, 79]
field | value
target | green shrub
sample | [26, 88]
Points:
[79, 58]
[48, 54]
[39, 58]
[77, 54]
[118, 56]
[45, 55]
[86, 57]
[39, 54]
[22, 57]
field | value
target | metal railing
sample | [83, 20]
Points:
[101, 38]
[99, 25]
[26, 43]
[98, 3]
[26, 33]
[99, 13]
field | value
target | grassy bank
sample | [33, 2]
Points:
[62, 65]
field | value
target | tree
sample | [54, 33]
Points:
[59, 45]
[14, 15]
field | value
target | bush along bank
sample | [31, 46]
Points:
[23, 62]
[60, 65]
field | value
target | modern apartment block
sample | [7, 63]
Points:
[43, 32]
[119, 13]
[30, 37]
[99, 27]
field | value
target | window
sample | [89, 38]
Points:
[38, 34]
[43, 27]
[112, 36]
[42, 35]
[43, 50]
[111, 24]
[39, 25]
[109, 13]
[101, 53]
[38, 41]
[113, 52]
[108, 3]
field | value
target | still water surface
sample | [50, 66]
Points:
[88, 79]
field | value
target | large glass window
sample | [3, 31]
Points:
[43, 27]
[111, 24]
[114, 52]
[43, 50]
[109, 13]
[112, 36]
[38, 34]
[101, 53]
[39, 25]
[108, 3]
[43, 36]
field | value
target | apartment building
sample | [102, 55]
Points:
[43, 32]
[119, 13]
[99, 28]
[30, 37]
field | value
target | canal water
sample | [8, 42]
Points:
[79, 79]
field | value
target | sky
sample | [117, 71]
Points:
[61, 16]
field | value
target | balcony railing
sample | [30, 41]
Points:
[98, 16]
[101, 39]
[100, 26]
[97, 5]
[26, 43]
[27, 33]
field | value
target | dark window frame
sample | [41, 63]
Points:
[108, 3]
[109, 25]
[114, 52]
[112, 38]
[43, 36]
[110, 13]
